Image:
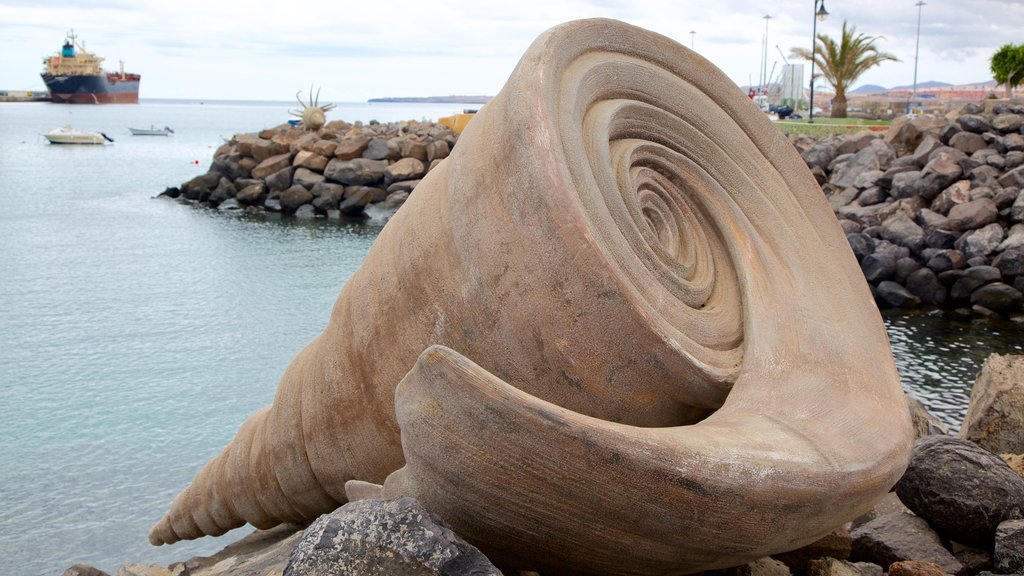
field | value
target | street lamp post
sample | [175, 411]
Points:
[692, 32]
[819, 14]
[764, 57]
[917, 45]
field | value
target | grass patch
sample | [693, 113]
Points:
[829, 126]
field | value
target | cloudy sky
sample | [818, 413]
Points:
[267, 50]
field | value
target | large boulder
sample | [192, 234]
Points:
[359, 171]
[351, 148]
[271, 165]
[900, 536]
[995, 416]
[980, 242]
[307, 178]
[900, 229]
[384, 538]
[1007, 123]
[972, 215]
[404, 169]
[974, 123]
[294, 197]
[998, 296]
[961, 489]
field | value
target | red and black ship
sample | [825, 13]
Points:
[74, 76]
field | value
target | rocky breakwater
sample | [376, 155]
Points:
[933, 207]
[339, 170]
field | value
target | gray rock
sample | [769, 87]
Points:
[820, 155]
[962, 490]
[904, 268]
[998, 297]
[872, 195]
[861, 244]
[906, 184]
[307, 178]
[895, 295]
[863, 215]
[1014, 238]
[305, 212]
[252, 194]
[958, 192]
[1011, 261]
[272, 204]
[878, 267]
[384, 538]
[900, 536]
[928, 145]
[974, 123]
[968, 142]
[942, 239]
[1007, 122]
[981, 242]
[1014, 177]
[972, 215]
[924, 284]
[842, 198]
[359, 171]
[995, 415]
[294, 197]
[1017, 209]
[900, 229]
[403, 186]
[938, 175]
[378, 149]
[930, 220]
[229, 205]
[944, 260]
[887, 177]
[972, 279]
[280, 180]
[1008, 555]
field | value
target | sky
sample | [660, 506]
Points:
[353, 51]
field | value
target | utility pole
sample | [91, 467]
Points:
[917, 46]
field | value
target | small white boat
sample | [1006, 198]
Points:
[152, 131]
[68, 135]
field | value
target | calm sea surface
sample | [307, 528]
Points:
[137, 334]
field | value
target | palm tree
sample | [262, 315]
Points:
[843, 62]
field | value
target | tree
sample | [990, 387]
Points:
[1008, 66]
[843, 62]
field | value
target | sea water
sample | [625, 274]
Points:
[137, 334]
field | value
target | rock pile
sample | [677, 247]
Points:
[958, 510]
[932, 208]
[339, 170]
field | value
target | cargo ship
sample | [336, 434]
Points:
[74, 76]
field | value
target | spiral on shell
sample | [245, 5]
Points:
[627, 335]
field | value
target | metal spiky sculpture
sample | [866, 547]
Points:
[313, 116]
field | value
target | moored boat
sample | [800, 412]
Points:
[151, 131]
[68, 135]
[74, 76]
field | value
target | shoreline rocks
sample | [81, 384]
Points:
[932, 208]
[338, 171]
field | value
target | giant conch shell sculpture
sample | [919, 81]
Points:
[618, 331]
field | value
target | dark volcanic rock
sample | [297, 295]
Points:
[861, 244]
[358, 171]
[924, 284]
[961, 489]
[998, 296]
[972, 215]
[294, 197]
[974, 123]
[878, 267]
[898, 537]
[1008, 556]
[384, 538]
[895, 295]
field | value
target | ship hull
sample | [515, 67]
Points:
[97, 89]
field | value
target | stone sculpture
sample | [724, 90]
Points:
[627, 335]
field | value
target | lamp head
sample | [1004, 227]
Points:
[822, 14]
